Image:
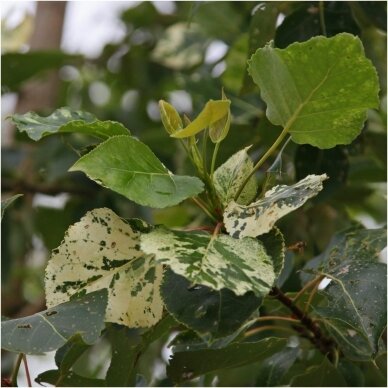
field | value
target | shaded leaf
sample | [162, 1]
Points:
[50, 329]
[352, 373]
[103, 251]
[312, 88]
[129, 167]
[8, 201]
[259, 217]
[188, 365]
[71, 380]
[211, 313]
[65, 120]
[229, 176]
[214, 261]
[213, 111]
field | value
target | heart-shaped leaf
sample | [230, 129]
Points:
[129, 167]
[319, 90]
[103, 251]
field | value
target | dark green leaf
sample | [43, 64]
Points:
[71, 380]
[352, 373]
[65, 120]
[8, 201]
[211, 313]
[129, 167]
[50, 329]
[312, 88]
[188, 365]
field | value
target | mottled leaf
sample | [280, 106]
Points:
[72, 379]
[213, 111]
[188, 365]
[50, 329]
[313, 88]
[103, 251]
[8, 201]
[129, 167]
[210, 313]
[214, 261]
[230, 175]
[259, 217]
[65, 120]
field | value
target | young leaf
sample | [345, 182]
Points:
[211, 313]
[220, 128]
[102, 251]
[318, 90]
[129, 167]
[259, 217]
[210, 114]
[229, 177]
[50, 329]
[64, 120]
[188, 365]
[216, 262]
[170, 117]
[8, 201]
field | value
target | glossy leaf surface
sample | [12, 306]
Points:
[102, 251]
[129, 167]
[50, 329]
[315, 90]
[65, 120]
[259, 217]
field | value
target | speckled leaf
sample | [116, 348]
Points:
[216, 262]
[213, 111]
[319, 90]
[8, 201]
[129, 167]
[355, 307]
[50, 329]
[259, 217]
[188, 365]
[65, 120]
[103, 251]
[229, 177]
[212, 314]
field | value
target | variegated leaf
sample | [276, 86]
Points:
[229, 177]
[214, 261]
[259, 217]
[103, 251]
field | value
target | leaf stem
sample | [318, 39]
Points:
[322, 17]
[200, 204]
[27, 370]
[204, 150]
[311, 297]
[268, 327]
[14, 377]
[214, 157]
[275, 317]
[311, 283]
[264, 158]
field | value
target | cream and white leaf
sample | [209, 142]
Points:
[229, 177]
[102, 251]
[260, 217]
[214, 261]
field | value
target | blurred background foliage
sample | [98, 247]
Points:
[185, 56]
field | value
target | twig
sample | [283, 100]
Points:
[27, 370]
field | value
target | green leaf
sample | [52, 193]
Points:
[65, 120]
[8, 201]
[129, 167]
[213, 111]
[188, 365]
[213, 261]
[71, 380]
[103, 251]
[323, 375]
[170, 117]
[259, 217]
[313, 88]
[50, 329]
[212, 314]
[228, 178]
[274, 368]
[219, 129]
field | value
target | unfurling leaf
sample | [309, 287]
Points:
[64, 120]
[216, 262]
[259, 217]
[50, 329]
[103, 251]
[220, 128]
[170, 117]
[320, 90]
[129, 167]
[229, 177]
[213, 111]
